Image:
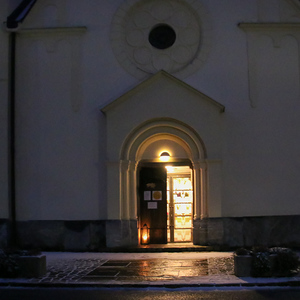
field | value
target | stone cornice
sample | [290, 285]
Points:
[269, 26]
[54, 30]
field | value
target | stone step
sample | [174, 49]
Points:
[172, 247]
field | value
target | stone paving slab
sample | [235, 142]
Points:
[144, 270]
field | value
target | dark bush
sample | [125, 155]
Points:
[8, 265]
[242, 251]
[260, 249]
[261, 264]
[286, 261]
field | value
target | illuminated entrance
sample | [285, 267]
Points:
[165, 203]
[179, 120]
[179, 204]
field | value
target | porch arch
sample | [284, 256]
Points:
[131, 153]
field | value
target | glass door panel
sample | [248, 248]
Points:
[182, 235]
[183, 222]
[180, 208]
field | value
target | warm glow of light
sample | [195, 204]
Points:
[145, 237]
[164, 156]
[170, 169]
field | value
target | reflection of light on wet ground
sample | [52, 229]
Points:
[145, 263]
[154, 269]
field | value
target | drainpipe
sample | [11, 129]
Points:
[12, 236]
[12, 26]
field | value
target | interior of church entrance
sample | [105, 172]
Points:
[165, 204]
[179, 204]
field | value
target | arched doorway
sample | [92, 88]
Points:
[161, 108]
[163, 206]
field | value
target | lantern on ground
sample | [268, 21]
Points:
[145, 235]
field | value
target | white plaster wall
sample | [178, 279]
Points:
[260, 153]
[3, 114]
[262, 165]
[70, 182]
[59, 172]
[61, 152]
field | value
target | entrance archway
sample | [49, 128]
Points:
[163, 100]
[145, 143]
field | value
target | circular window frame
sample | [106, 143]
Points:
[158, 36]
[119, 40]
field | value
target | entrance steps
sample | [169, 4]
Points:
[171, 247]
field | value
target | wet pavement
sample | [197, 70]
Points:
[144, 269]
[149, 270]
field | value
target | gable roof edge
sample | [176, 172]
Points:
[108, 106]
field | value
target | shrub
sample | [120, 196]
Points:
[260, 249]
[261, 264]
[8, 265]
[242, 251]
[275, 261]
[32, 252]
[286, 261]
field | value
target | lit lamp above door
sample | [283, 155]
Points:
[164, 156]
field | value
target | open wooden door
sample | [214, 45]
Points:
[153, 202]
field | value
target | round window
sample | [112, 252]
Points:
[162, 36]
[152, 35]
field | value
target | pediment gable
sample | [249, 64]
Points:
[163, 89]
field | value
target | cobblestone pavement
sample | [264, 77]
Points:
[151, 269]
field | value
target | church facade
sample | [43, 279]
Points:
[145, 121]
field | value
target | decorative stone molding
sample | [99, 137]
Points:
[139, 25]
[55, 30]
[169, 127]
[128, 168]
[55, 35]
[200, 189]
[269, 26]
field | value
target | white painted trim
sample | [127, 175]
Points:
[269, 26]
[54, 30]
[129, 162]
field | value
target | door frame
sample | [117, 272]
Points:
[131, 157]
[122, 177]
[172, 215]
[153, 164]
